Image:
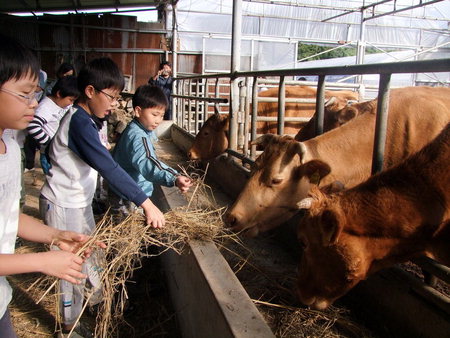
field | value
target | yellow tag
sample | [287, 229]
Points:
[315, 178]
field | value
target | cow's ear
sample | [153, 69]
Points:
[346, 114]
[331, 188]
[263, 141]
[330, 228]
[315, 170]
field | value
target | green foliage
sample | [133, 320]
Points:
[308, 50]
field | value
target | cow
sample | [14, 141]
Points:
[212, 138]
[394, 216]
[287, 169]
[334, 117]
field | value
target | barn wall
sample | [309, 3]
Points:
[75, 39]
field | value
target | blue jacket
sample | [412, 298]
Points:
[135, 153]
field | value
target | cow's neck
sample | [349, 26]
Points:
[348, 151]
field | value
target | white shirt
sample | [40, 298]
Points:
[10, 173]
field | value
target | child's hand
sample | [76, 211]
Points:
[154, 216]
[183, 183]
[64, 265]
[72, 242]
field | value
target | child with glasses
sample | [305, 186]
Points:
[77, 156]
[19, 71]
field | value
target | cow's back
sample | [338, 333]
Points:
[416, 116]
[294, 109]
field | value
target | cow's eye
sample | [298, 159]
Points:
[302, 244]
[276, 181]
[205, 133]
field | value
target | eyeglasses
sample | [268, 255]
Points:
[110, 97]
[29, 98]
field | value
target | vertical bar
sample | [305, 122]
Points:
[247, 115]
[217, 93]
[241, 116]
[189, 112]
[281, 105]
[235, 67]
[254, 115]
[205, 93]
[320, 109]
[381, 123]
[174, 53]
[197, 89]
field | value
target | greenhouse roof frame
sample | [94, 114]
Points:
[39, 6]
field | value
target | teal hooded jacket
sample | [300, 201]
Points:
[135, 153]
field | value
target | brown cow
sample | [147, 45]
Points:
[334, 117]
[212, 138]
[397, 215]
[286, 170]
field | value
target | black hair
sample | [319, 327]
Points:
[100, 73]
[16, 60]
[162, 64]
[64, 68]
[66, 86]
[148, 96]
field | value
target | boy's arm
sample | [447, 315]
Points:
[85, 142]
[62, 264]
[36, 130]
[145, 161]
[32, 230]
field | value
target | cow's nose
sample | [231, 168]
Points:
[230, 220]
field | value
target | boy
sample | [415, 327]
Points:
[135, 152]
[50, 111]
[19, 71]
[76, 155]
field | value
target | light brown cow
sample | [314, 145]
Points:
[212, 138]
[286, 170]
[334, 117]
[399, 214]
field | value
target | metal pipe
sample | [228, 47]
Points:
[422, 66]
[204, 99]
[381, 123]
[254, 115]
[320, 109]
[281, 105]
[235, 67]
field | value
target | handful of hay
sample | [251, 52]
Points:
[127, 243]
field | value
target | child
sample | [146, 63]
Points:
[50, 111]
[76, 155]
[135, 152]
[19, 71]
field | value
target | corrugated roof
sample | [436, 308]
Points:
[19, 6]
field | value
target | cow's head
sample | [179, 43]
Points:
[279, 180]
[211, 140]
[332, 261]
[338, 111]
